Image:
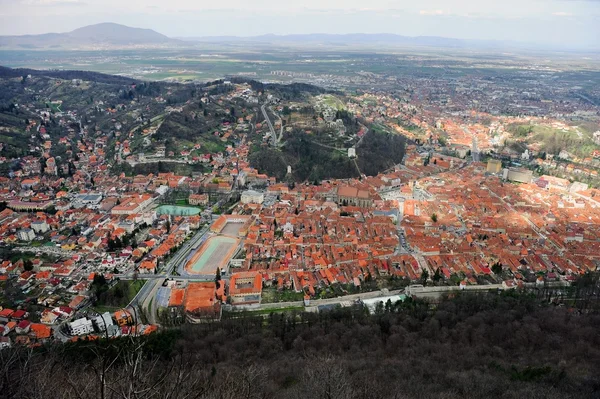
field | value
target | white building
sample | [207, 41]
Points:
[103, 321]
[518, 174]
[252, 197]
[149, 217]
[91, 201]
[162, 190]
[26, 234]
[127, 226]
[288, 228]
[132, 205]
[81, 326]
[371, 304]
[577, 187]
[40, 226]
[564, 155]
[4, 342]
[462, 152]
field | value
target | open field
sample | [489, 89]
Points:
[333, 102]
[232, 229]
[118, 296]
[273, 295]
[214, 253]
[214, 60]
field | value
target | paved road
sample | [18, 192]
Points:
[439, 291]
[176, 263]
[141, 295]
[417, 291]
[176, 260]
[280, 137]
[149, 303]
[363, 136]
[150, 277]
[164, 160]
[331, 301]
[145, 296]
[271, 128]
[141, 301]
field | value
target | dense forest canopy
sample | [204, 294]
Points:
[313, 162]
[508, 345]
[68, 75]
[380, 151]
[292, 91]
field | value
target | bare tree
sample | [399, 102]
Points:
[325, 378]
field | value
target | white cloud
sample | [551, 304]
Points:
[433, 12]
[52, 2]
[484, 19]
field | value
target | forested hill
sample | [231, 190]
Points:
[311, 161]
[184, 117]
[291, 91]
[6, 72]
[507, 345]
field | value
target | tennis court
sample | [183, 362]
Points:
[177, 210]
[214, 252]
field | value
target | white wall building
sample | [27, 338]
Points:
[40, 226]
[252, 197]
[577, 187]
[5, 342]
[288, 228]
[81, 326]
[26, 234]
[149, 217]
[103, 321]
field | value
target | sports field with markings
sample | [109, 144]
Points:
[214, 252]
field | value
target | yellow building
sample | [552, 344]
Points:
[494, 166]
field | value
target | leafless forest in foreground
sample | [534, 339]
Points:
[509, 345]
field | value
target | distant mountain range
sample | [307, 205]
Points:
[114, 36]
[340, 39]
[100, 35]
[370, 39]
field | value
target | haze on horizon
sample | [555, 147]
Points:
[572, 24]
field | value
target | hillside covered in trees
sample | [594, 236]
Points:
[65, 103]
[6, 73]
[312, 161]
[186, 120]
[507, 345]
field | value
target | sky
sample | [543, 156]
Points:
[556, 23]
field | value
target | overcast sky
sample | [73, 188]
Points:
[564, 23]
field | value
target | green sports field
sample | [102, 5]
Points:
[214, 253]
